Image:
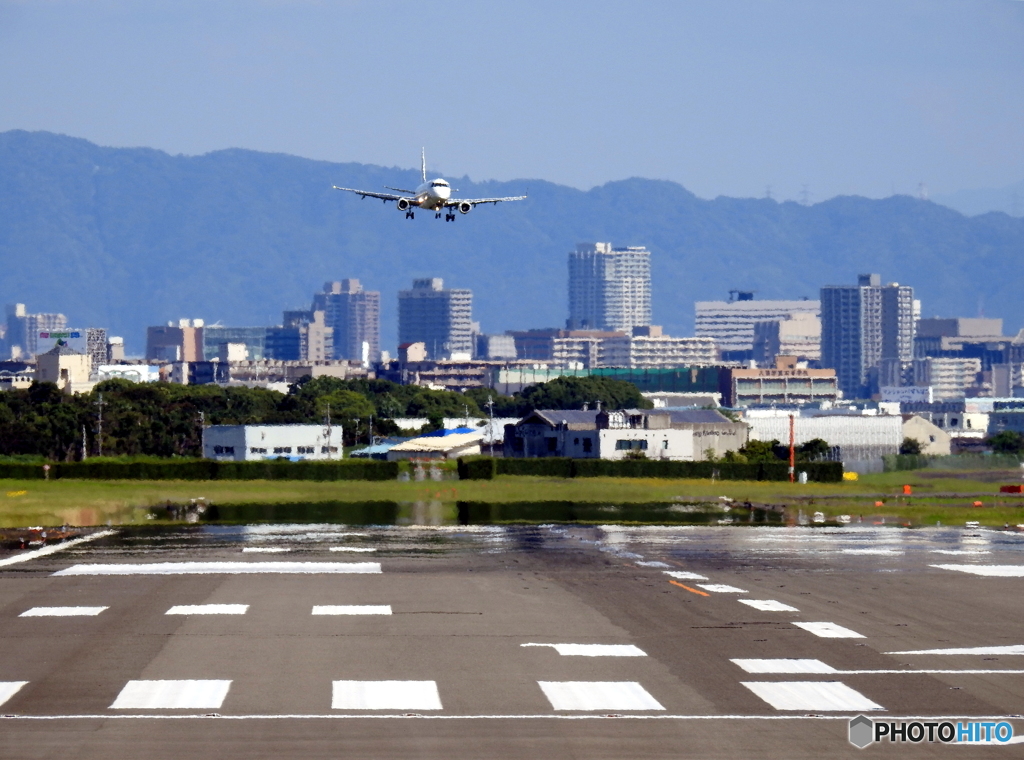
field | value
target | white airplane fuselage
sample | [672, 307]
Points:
[432, 194]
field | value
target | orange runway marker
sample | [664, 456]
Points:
[692, 590]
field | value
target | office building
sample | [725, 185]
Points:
[253, 338]
[354, 315]
[649, 348]
[731, 323]
[797, 335]
[494, 347]
[303, 337]
[864, 325]
[949, 379]
[22, 333]
[180, 341]
[440, 318]
[609, 288]
[241, 443]
[784, 385]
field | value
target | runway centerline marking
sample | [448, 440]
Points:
[266, 549]
[352, 609]
[829, 630]
[1013, 649]
[171, 695]
[352, 549]
[989, 571]
[208, 609]
[9, 688]
[691, 590]
[784, 666]
[53, 549]
[63, 611]
[811, 695]
[598, 695]
[767, 605]
[721, 588]
[385, 695]
[227, 568]
[594, 650]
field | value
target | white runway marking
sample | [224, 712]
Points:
[62, 611]
[53, 548]
[352, 609]
[171, 695]
[653, 563]
[829, 630]
[1014, 649]
[598, 695]
[266, 549]
[385, 695]
[685, 576]
[960, 551]
[9, 688]
[990, 571]
[887, 552]
[785, 666]
[767, 605]
[594, 650]
[208, 609]
[352, 549]
[231, 568]
[721, 588]
[811, 695]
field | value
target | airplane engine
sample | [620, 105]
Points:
[403, 204]
[465, 208]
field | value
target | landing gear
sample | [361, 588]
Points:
[410, 215]
[449, 217]
[437, 215]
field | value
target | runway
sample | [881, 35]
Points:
[512, 642]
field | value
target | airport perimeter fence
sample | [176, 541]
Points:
[959, 462]
[202, 469]
[486, 468]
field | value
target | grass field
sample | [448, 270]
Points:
[945, 497]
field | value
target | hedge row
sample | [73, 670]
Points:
[205, 470]
[484, 468]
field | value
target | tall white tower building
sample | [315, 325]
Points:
[609, 288]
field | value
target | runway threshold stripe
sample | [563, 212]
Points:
[208, 609]
[721, 588]
[767, 605]
[685, 576]
[385, 695]
[352, 609]
[691, 590]
[546, 716]
[811, 695]
[46, 550]
[594, 650]
[63, 612]
[9, 688]
[989, 571]
[598, 695]
[1007, 650]
[229, 568]
[172, 695]
[829, 630]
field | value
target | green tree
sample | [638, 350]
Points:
[1007, 442]
[910, 446]
[813, 450]
[760, 451]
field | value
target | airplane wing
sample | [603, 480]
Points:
[370, 194]
[477, 201]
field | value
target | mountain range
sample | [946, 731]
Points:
[124, 238]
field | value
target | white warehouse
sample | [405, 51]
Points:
[241, 443]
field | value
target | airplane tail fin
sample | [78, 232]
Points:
[423, 163]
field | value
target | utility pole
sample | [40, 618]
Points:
[369, 433]
[792, 450]
[490, 426]
[85, 447]
[328, 429]
[99, 425]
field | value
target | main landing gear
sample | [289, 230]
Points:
[410, 215]
[449, 217]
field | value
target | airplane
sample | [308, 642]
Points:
[433, 195]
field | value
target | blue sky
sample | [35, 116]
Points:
[726, 97]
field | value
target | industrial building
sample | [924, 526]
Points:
[731, 323]
[254, 442]
[864, 326]
[354, 315]
[444, 444]
[440, 318]
[856, 437]
[609, 288]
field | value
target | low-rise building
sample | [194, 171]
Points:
[68, 368]
[444, 444]
[856, 436]
[933, 440]
[685, 435]
[787, 384]
[254, 442]
[15, 375]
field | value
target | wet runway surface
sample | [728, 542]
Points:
[487, 641]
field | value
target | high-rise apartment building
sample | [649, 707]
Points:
[354, 314]
[609, 288]
[731, 323]
[441, 319]
[866, 326]
[22, 334]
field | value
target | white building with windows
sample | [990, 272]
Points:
[241, 443]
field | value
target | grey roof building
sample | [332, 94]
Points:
[440, 318]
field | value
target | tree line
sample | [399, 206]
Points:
[121, 418]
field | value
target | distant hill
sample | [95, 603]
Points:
[972, 202]
[126, 238]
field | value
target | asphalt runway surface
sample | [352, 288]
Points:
[312, 641]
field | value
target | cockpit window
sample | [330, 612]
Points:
[439, 184]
